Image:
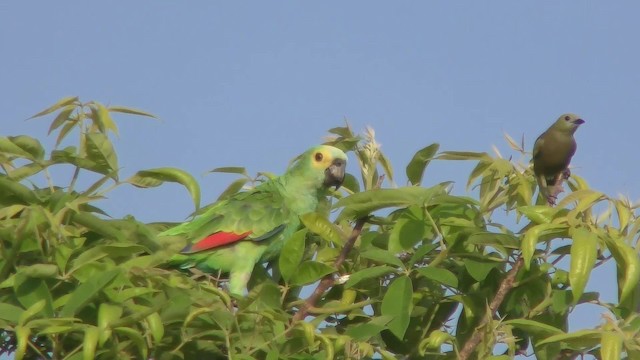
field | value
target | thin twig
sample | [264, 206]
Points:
[328, 280]
[505, 286]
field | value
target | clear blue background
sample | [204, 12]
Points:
[255, 83]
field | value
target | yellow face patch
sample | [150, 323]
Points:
[321, 158]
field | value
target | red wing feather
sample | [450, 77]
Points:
[215, 240]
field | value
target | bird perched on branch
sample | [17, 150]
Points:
[552, 154]
[250, 227]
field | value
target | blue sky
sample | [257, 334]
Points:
[255, 83]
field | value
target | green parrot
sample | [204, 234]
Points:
[250, 227]
[552, 154]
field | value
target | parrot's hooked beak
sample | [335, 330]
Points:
[334, 174]
[578, 121]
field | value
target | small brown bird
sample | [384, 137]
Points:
[552, 154]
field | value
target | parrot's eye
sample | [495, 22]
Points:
[567, 118]
[319, 157]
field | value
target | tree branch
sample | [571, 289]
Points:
[328, 280]
[505, 287]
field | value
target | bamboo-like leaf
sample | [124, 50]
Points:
[131, 111]
[64, 115]
[87, 291]
[364, 203]
[584, 251]
[231, 170]
[58, 105]
[156, 177]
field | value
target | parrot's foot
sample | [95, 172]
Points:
[551, 200]
[566, 174]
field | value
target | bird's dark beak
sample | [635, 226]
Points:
[334, 174]
[578, 121]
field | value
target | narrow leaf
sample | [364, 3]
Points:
[128, 110]
[60, 104]
[584, 251]
[86, 291]
[155, 177]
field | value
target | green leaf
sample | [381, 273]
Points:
[41, 271]
[463, 155]
[398, 305]
[440, 275]
[320, 225]
[29, 145]
[155, 177]
[628, 265]
[100, 151]
[60, 104]
[533, 236]
[30, 290]
[102, 119]
[406, 233]
[8, 147]
[107, 314]
[382, 256]
[364, 203]
[10, 312]
[156, 328]
[136, 337]
[87, 291]
[131, 111]
[584, 251]
[368, 273]
[611, 343]
[89, 342]
[309, 272]
[534, 327]
[233, 188]
[479, 269]
[291, 254]
[363, 332]
[64, 115]
[351, 183]
[231, 170]
[580, 338]
[415, 168]
[539, 214]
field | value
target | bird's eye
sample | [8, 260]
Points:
[318, 157]
[567, 118]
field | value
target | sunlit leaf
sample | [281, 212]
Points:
[415, 168]
[58, 105]
[584, 251]
[156, 177]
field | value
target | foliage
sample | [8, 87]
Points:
[425, 271]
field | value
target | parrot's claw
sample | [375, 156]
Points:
[566, 174]
[551, 200]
